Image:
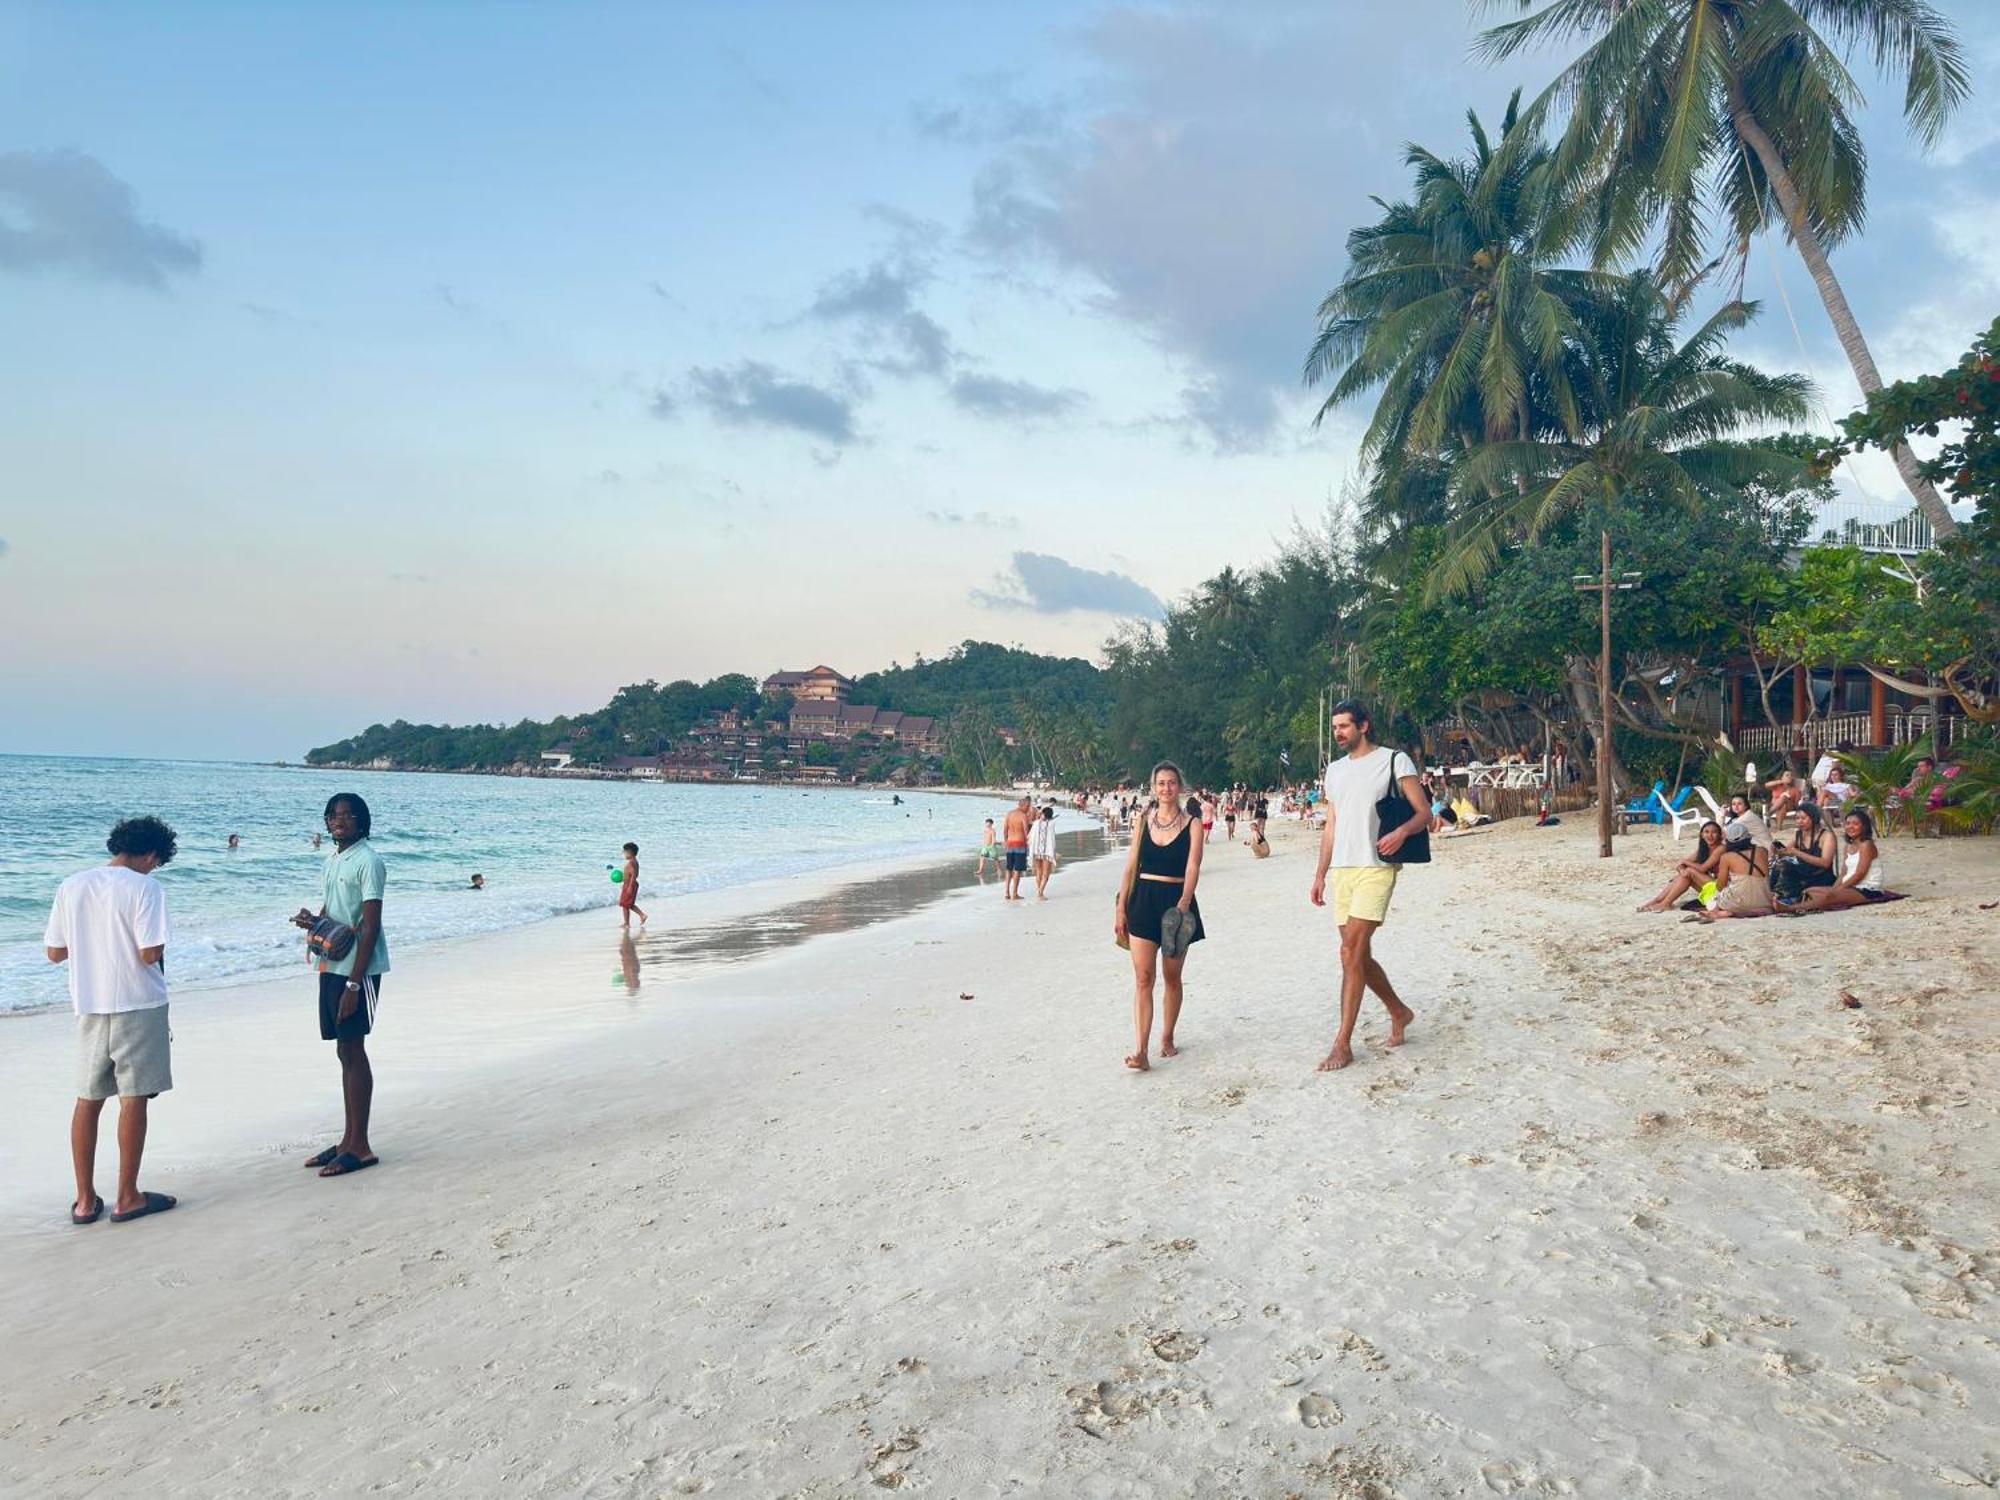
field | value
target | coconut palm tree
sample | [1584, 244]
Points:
[1662, 426]
[1449, 307]
[1683, 110]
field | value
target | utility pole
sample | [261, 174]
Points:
[1603, 585]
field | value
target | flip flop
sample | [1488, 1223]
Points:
[323, 1158]
[156, 1203]
[96, 1212]
[347, 1162]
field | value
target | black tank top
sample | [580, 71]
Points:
[1170, 858]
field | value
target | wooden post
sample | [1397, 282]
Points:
[1736, 709]
[1604, 702]
[1878, 712]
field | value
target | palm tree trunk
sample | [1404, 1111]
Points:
[1845, 328]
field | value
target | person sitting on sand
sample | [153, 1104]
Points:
[1814, 850]
[1693, 873]
[1861, 868]
[1161, 871]
[1742, 877]
[1740, 811]
[1786, 795]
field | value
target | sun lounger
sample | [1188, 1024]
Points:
[1677, 811]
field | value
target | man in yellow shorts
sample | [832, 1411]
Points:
[1356, 850]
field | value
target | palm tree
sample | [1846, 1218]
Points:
[1681, 108]
[1661, 428]
[1661, 432]
[1448, 305]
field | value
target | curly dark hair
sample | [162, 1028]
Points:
[355, 805]
[142, 836]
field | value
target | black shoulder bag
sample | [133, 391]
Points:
[1394, 810]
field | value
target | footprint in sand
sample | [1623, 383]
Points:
[1320, 1411]
[1176, 1347]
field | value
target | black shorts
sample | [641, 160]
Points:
[1017, 859]
[332, 989]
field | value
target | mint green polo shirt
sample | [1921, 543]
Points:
[354, 875]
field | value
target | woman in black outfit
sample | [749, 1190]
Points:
[1160, 872]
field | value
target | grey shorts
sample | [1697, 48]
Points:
[123, 1054]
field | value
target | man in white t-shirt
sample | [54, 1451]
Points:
[1356, 850]
[110, 926]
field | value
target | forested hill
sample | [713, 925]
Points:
[995, 684]
[998, 679]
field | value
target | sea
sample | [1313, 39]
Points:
[545, 845]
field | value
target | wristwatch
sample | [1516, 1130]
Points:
[353, 984]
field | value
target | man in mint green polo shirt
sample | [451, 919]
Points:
[350, 986]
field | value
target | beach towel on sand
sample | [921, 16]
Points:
[1882, 898]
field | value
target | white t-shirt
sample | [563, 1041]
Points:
[1353, 787]
[1822, 768]
[104, 917]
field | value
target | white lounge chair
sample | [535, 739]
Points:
[1715, 809]
[1680, 817]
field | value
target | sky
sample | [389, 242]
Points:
[464, 362]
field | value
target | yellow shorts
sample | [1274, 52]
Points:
[1363, 891]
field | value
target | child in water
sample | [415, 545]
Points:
[628, 889]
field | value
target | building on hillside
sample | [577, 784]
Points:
[819, 685]
[820, 720]
[558, 756]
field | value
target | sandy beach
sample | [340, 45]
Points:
[1642, 1210]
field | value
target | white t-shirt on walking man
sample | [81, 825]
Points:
[1354, 784]
[104, 917]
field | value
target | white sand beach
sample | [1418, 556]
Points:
[1642, 1210]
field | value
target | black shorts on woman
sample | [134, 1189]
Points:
[1150, 899]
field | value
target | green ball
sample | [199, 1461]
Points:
[617, 877]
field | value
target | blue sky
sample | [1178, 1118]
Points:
[468, 361]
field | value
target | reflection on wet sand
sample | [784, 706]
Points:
[861, 904]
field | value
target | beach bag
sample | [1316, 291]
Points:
[1789, 879]
[330, 940]
[1394, 809]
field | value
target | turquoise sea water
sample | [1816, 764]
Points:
[543, 846]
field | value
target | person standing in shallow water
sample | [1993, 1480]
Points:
[1161, 872]
[350, 986]
[628, 889]
[1364, 879]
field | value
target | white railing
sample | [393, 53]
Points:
[1873, 526]
[1854, 729]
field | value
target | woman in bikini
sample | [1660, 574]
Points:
[1860, 879]
[1160, 874]
[1689, 874]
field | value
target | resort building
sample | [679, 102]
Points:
[819, 685]
[558, 756]
[821, 720]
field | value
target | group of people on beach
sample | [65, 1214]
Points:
[110, 926]
[1158, 916]
[1741, 868]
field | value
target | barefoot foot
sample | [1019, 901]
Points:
[1341, 1056]
[1138, 1064]
[1168, 1049]
[1399, 1021]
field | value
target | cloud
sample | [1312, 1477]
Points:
[63, 210]
[1204, 191]
[1011, 400]
[881, 299]
[984, 519]
[752, 394]
[1050, 586]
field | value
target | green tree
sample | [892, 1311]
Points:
[1680, 110]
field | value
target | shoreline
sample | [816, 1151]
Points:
[1640, 1203]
